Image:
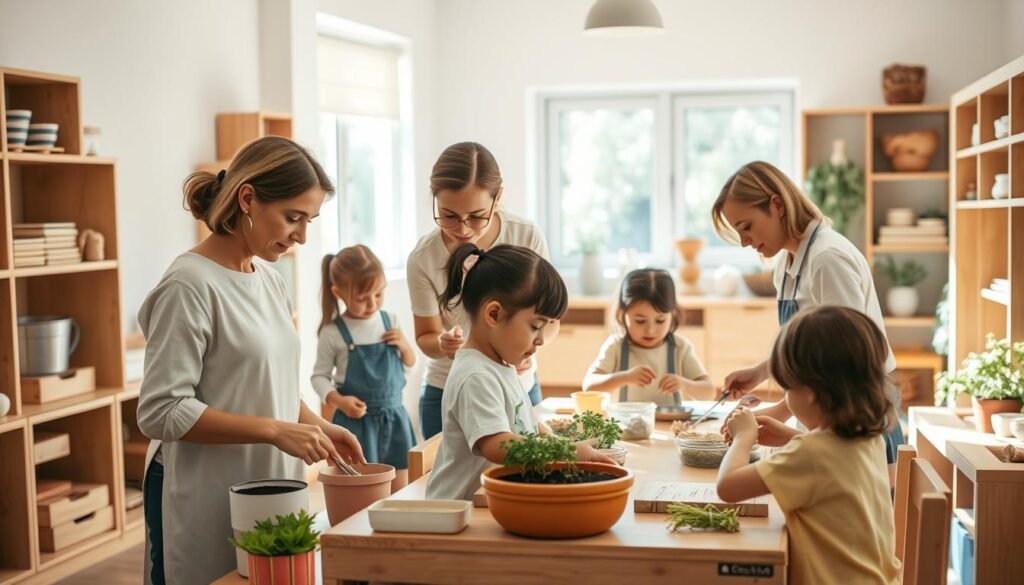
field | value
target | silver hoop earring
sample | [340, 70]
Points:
[249, 217]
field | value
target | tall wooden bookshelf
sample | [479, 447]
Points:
[68, 187]
[987, 233]
[884, 188]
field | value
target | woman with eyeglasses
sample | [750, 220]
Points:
[466, 187]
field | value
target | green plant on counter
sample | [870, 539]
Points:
[838, 190]
[592, 425]
[535, 453]
[709, 517]
[907, 273]
[988, 375]
[290, 535]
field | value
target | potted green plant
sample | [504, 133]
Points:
[993, 378]
[541, 491]
[902, 299]
[281, 552]
[837, 187]
[604, 431]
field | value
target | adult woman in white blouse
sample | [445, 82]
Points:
[221, 385]
[466, 186]
[760, 207]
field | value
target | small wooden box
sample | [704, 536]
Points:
[57, 538]
[47, 489]
[49, 446]
[135, 459]
[84, 499]
[40, 389]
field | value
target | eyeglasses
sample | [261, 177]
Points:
[473, 222]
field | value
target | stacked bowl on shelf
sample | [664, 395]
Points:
[17, 126]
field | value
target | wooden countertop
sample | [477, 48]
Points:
[638, 546]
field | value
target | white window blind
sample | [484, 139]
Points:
[355, 79]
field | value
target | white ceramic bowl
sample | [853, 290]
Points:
[616, 453]
[900, 216]
[1017, 428]
[1002, 421]
[427, 516]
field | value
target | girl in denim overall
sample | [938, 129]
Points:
[361, 359]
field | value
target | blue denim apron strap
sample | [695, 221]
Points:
[787, 308]
[677, 399]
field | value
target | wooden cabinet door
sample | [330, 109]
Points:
[738, 337]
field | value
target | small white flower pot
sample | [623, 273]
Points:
[902, 301]
[591, 275]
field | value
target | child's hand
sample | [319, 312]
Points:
[450, 341]
[773, 433]
[394, 338]
[350, 405]
[640, 376]
[585, 451]
[670, 383]
[742, 423]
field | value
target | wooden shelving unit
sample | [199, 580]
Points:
[862, 128]
[987, 234]
[75, 188]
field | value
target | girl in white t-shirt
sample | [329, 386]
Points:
[649, 361]
[514, 299]
[466, 187]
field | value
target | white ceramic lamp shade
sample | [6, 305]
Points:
[623, 18]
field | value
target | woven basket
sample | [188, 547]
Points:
[904, 84]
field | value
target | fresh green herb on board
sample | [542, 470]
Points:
[709, 517]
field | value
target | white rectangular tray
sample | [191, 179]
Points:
[427, 516]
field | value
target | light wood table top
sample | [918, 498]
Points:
[638, 548]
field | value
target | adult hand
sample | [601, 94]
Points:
[345, 444]
[742, 381]
[450, 341]
[307, 442]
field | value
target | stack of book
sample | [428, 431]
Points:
[914, 235]
[45, 244]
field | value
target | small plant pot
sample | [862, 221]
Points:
[347, 494]
[254, 501]
[616, 453]
[557, 511]
[902, 301]
[297, 569]
[984, 409]
[591, 275]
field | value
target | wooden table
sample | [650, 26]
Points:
[638, 548]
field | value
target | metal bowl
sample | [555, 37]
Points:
[671, 412]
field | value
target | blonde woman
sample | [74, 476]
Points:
[466, 187]
[220, 396]
[760, 207]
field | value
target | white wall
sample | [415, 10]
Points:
[491, 51]
[1013, 32]
[153, 76]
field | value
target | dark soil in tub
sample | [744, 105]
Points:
[559, 477]
[268, 490]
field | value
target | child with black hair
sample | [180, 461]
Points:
[831, 482]
[648, 361]
[515, 299]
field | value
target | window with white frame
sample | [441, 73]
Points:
[639, 170]
[364, 137]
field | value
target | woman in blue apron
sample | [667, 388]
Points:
[760, 207]
[361, 360]
[664, 363]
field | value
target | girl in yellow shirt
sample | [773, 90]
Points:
[831, 482]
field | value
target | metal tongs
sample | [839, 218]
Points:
[344, 467]
[713, 406]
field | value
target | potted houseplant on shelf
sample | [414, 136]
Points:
[541, 491]
[993, 378]
[281, 552]
[604, 431]
[902, 298]
[837, 187]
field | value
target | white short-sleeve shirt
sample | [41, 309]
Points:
[481, 398]
[834, 273]
[687, 365]
[427, 280]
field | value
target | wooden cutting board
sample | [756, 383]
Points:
[655, 496]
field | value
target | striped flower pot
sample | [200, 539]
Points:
[42, 134]
[17, 126]
[297, 569]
